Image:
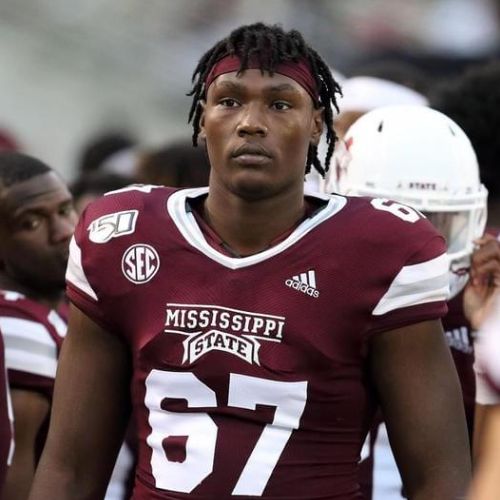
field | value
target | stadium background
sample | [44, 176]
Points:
[70, 69]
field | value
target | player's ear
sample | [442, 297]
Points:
[202, 134]
[317, 125]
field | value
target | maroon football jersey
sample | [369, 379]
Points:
[459, 338]
[6, 432]
[33, 334]
[250, 374]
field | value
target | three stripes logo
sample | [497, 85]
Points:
[305, 283]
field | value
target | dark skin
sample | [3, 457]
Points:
[274, 118]
[245, 189]
[37, 221]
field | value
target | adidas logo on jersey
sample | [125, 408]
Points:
[305, 283]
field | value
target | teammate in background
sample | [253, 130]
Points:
[381, 83]
[370, 87]
[37, 220]
[177, 164]
[473, 101]
[92, 185]
[424, 160]
[253, 330]
[113, 151]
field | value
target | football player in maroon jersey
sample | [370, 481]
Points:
[250, 328]
[425, 160]
[37, 220]
[472, 100]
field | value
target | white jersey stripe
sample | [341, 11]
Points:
[29, 346]
[16, 359]
[23, 329]
[425, 270]
[58, 323]
[416, 284]
[75, 273]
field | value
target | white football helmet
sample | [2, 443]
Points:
[419, 157]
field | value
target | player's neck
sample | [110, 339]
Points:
[248, 227]
[50, 298]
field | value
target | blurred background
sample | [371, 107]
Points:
[72, 70]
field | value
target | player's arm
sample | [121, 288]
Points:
[90, 412]
[421, 400]
[30, 410]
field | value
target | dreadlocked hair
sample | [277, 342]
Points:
[270, 45]
[17, 167]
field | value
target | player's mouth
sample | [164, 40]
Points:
[251, 154]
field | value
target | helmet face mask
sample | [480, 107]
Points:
[419, 157]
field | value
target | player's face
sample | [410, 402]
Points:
[37, 220]
[258, 130]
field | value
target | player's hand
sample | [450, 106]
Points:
[484, 281]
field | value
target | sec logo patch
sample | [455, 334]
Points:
[140, 263]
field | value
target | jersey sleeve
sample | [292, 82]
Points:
[419, 289]
[105, 229]
[30, 352]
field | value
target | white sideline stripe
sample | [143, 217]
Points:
[24, 329]
[75, 273]
[406, 288]
[16, 359]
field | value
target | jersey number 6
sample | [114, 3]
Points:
[289, 398]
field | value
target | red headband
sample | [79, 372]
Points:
[299, 71]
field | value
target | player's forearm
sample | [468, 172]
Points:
[441, 490]
[62, 482]
[19, 478]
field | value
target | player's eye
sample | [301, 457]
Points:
[280, 105]
[228, 102]
[66, 209]
[30, 223]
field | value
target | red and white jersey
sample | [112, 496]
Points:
[6, 418]
[33, 335]
[249, 373]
